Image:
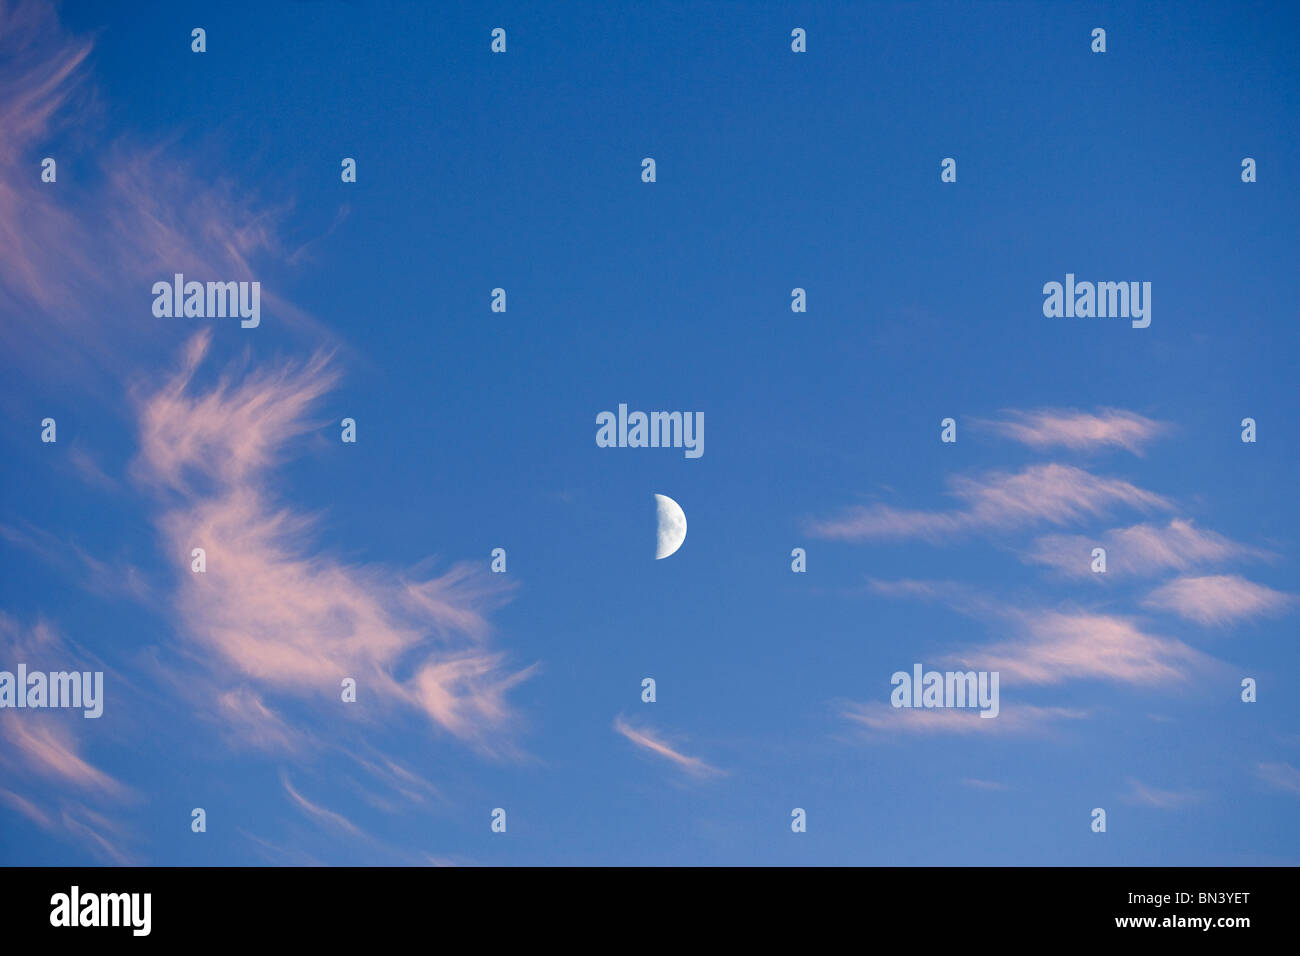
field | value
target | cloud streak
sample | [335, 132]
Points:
[649, 740]
[41, 752]
[1160, 799]
[49, 751]
[73, 253]
[263, 639]
[328, 817]
[1075, 430]
[1280, 776]
[882, 718]
[1140, 550]
[1052, 646]
[1058, 646]
[278, 617]
[1218, 599]
[1048, 493]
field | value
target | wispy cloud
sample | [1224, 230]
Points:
[1057, 646]
[48, 750]
[76, 823]
[248, 721]
[271, 611]
[1018, 720]
[1051, 646]
[42, 742]
[960, 597]
[266, 635]
[1218, 599]
[916, 588]
[278, 854]
[39, 75]
[88, 469]
[400, 780]
[1076, 430]
[1280, 776]
[322, 815]
[1051, 493]
[43, 755]
[90, 829]
[27, 808]
[115, 577]
[1142, 549]
[71, 252]
[1162, 799]
[649, 740]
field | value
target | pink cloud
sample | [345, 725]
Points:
[39, 72]
[1057, 646]
[273, 619]
[1051, 493]
[1143, 549]
[26, 808]
[1052, 646]
[1018, 720]
[231, 431]
[41, 752]
[89, 828]
[328, 817]
[48, 750]
[280, 618]
[73, 254]
[650, 741]
[248, 720]
[1047, 428]
[1218, 599]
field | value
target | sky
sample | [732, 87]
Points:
[521, 691]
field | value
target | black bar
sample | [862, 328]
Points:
[979, 906]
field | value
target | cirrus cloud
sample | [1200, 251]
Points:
[1047, 493]
[1078, 431]
[1141, 549]
[1218, 599]
[272, 614]
[652, 741]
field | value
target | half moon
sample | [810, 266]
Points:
[672, 526]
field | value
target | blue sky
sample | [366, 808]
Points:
[476, 430]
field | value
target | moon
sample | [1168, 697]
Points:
[672, 526]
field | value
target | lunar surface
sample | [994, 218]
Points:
[672, 526]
